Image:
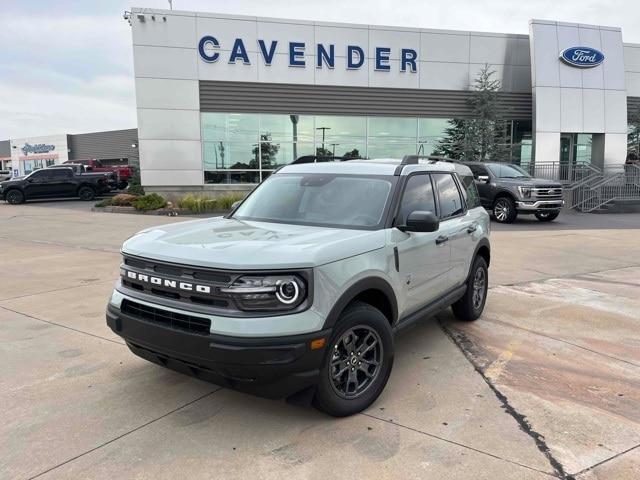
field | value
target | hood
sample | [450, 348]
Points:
[13, 179]
[531, 182]
[242, 245]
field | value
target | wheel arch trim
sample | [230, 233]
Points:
[361, 286]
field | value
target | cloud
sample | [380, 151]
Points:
[66, 66]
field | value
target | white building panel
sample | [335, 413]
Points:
[165, 62]
[396, 40]
[226, 31]
[175, 31]
[169, 94]
[160, 178]
[615, 101]
[444, 47]
[444, 76]
[571, 117]
[170, 155]
[157, 124]
[593, 110]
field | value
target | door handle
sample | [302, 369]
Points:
[442, 239]
[472, 228]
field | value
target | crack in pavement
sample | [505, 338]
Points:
[61, 325]
[606, 460]
[125, 434]
[462, 342]
[482, 452]
[88, 284]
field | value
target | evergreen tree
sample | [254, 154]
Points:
[484, 136]
[633, 137]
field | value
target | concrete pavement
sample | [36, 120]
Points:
[546, 384]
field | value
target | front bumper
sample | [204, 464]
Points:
[269, 367]
[540, 205]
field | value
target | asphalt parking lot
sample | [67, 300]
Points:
[546, 384]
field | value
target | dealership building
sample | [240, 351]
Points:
[21, 156]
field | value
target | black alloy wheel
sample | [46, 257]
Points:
[14, 197]
[355, 361]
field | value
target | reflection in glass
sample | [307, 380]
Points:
[237, 156]
[231, 176]
[392, 129]
[289, 128]
[214, 126]
[432, 129]
[391, 150]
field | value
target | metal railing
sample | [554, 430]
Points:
[589, 188]
[615, 184]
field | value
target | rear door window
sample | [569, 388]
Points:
[448, 196]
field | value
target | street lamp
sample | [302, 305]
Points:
[324, 129]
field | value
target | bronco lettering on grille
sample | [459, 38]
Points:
[165, 282]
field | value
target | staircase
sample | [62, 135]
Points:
[591, 189]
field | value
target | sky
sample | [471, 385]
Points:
[66, 66]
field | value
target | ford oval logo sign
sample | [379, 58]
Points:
[582, 57]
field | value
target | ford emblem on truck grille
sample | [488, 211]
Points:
[582, 57]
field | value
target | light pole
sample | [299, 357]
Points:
[324, 129]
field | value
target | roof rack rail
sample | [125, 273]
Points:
[414, 159]
[317, 158]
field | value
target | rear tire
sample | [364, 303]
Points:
[471, 305]
[14, 197]
[547, 216]
[357, 362]
[86, 193]
[504, 210]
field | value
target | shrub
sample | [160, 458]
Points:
[152, 201]
[199, 204]
[225, 201]
[107, 202]
[135, 188]
[123, 200]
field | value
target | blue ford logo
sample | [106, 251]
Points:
[583, 57]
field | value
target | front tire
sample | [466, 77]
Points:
[471, 305]
[547, 216]
[504, 210]
[86, 193]
[357, 363]
[14, 197]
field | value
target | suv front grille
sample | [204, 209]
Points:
[166, 318]
[165, 280]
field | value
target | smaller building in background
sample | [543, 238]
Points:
[21, 156]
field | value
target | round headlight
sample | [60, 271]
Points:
[287, 292]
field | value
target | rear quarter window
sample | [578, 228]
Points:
[470, 191]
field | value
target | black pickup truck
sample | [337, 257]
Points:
[53, 183]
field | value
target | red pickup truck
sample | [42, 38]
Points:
[123, 172]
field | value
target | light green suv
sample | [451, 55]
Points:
[299, 290]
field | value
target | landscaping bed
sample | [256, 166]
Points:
[154, 204]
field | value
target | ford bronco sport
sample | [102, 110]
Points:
[300, 289]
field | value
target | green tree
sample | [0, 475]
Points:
[352, 154]
[268, 153]
[484, 136]
[633, 137]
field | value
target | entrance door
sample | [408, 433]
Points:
[567, 158]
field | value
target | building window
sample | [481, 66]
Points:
[248, 147]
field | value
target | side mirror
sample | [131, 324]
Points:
[482, 179]
[421, 222]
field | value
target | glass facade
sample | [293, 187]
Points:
[246, 148]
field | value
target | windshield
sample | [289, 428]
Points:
[506, 170]
[319, 199]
